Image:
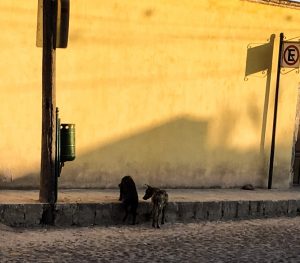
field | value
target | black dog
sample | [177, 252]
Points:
[159, 200]
[129, 197]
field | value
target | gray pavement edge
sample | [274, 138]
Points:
[111, 213]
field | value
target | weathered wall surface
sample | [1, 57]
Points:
[156, 90]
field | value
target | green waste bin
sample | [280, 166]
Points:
[67, 142]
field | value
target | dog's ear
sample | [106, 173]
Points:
[146, 185]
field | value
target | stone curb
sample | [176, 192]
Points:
[105, 214]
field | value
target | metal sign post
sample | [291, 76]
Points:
[288, 57]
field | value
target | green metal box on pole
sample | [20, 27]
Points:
[67, 142]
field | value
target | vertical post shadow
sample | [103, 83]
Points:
[259, 59]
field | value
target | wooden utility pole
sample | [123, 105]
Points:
[48, 180]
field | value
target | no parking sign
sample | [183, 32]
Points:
[290, 55]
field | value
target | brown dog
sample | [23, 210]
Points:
[159, 200]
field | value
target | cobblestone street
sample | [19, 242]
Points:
[260, 240]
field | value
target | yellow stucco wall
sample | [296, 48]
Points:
[156, 90]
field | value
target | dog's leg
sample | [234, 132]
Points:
[134, 214]
[163, 216]
[157, 218]
[154, 215]
[134, 218]
[126, 214]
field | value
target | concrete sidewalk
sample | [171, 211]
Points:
[78, 207]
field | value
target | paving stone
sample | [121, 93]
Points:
[103, 214]
[256, 209]
[14, 214]
[84, 214]
[172, 212]
[200, 213]
[64, 214]
[229, 210]
[117, 213]
[2, 212]
[33, 214]
[213, 210]
[144, 212]
[186, 211]
[280, 208]
[298, 207]
[269, 208]
[243, 209]
[292, 208]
